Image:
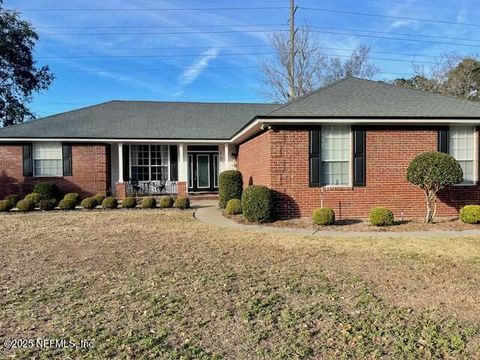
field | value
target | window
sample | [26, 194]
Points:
[149, 162]
[335, 152]
[47, 159]
[462, 148]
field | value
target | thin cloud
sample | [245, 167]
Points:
[190, 74]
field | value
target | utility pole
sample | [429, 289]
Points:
[293, 90]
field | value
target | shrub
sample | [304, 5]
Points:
[73, 196]
[323, 216]
[149, 203]
[432, 171]
[129, 203]
[25, 205]
[99, 198]
[110, 203]
[67, 204]
[234, 207]
[166, 202]
[381, 217]
[470, 214]
[13, 199]
[47, 190]
[182, 203]
[5, 206]
[47, 204]
[89, 203]
[230, 186]
[35, 198]
[257, 203]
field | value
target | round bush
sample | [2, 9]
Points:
[381, 217]
[89, 203]
[110, 203]
[166, 202]
[67, 204]
[73, 196]
[149, 203]
[234, 207]
[470, 214]
[35, 198]
[99, 198]
[129, 203]
[182, 203]
[25, 205]
[13, 199]
[323, 216]
[5, 206]
[47, 190]
[47, 204]
[257, 203]
[230, 186]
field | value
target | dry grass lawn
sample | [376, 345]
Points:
[155, 284]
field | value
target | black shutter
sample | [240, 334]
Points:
[27, 160]
[315, 158]
[359, 157]
[126, 163]
[67, 159]
[173, 163]
[443, 140]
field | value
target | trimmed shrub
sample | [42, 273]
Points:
[230, 186]
[166, 202]
[99, 198]
[13, 199]
[381, 217]
[47, 204]
[25, 205]
[110, 203]
[35, 198]
[129, 202]
[67, 204]
[149, 203]
[89, 203]
[323, 216]
[257, 203]
[5, 206]
[47, 190]
[470, 214]
[234, 207]
[73, 196]
[182, 203]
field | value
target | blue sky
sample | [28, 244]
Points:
[212, 55]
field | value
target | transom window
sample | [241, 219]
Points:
[462, 148]
[149, 162]
[335, 155]
[47, 159]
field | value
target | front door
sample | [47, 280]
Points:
[202, 172]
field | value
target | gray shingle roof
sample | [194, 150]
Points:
[352, 97]
[143, 120]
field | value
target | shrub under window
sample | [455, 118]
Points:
[323, 216]
[129, 203]
[67, 204]
[5, 206]
[73, 196]
[25, 205]
[166, 202]
[47, 204]
[470, 214]
[182, 203]
[110, 203]
[89, 203]
[257, 203]
[381, 217]
[47, 190]
[35, 198]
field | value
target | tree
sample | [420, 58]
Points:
[432, 171]
[19, 75]
[312, 67]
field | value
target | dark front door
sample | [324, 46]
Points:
[202, 172]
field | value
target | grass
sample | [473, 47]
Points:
[154, 284]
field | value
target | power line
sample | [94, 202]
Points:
[152, 9]
[162, 33]
[153, 26]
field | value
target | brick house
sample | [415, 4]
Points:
[346, 146]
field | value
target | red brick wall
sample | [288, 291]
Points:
[90, 171]
[389, 151]
[254, 160]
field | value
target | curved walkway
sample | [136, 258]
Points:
[207, 211]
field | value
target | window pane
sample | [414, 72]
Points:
[48, 167]
[335, 155]
[139, 155]
[140, 173]
[159, 172]
[462, 148]
[47, 159]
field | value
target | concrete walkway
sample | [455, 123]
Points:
[207, 211]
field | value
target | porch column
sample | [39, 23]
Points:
[120, 186]
[182, 171]
[226, 157]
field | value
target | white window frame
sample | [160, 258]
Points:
[475, 155]
[350, 159]
[36, 145]
[149, 162]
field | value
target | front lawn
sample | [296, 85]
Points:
[154, 284]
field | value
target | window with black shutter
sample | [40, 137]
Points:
[315, 157]
[359, 157]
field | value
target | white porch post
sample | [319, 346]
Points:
[182, 173]
[226, 157]
[120, 163]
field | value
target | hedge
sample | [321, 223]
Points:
[257, 203]
[25, 205]
[13, 199]
[5, 206]
[381, 217]
[110, 203]
[129, 203]
[89, 203]
[73, 196]
[149, 203]
[67, 204]
[35, 198]
[166, 202]
[234, 207]
[47, 204]
[470, 214]
[182, 203]
[47, 190]
[230, 186]
[323, 216]
[99, 198]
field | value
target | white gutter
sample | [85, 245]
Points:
[83, 140]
